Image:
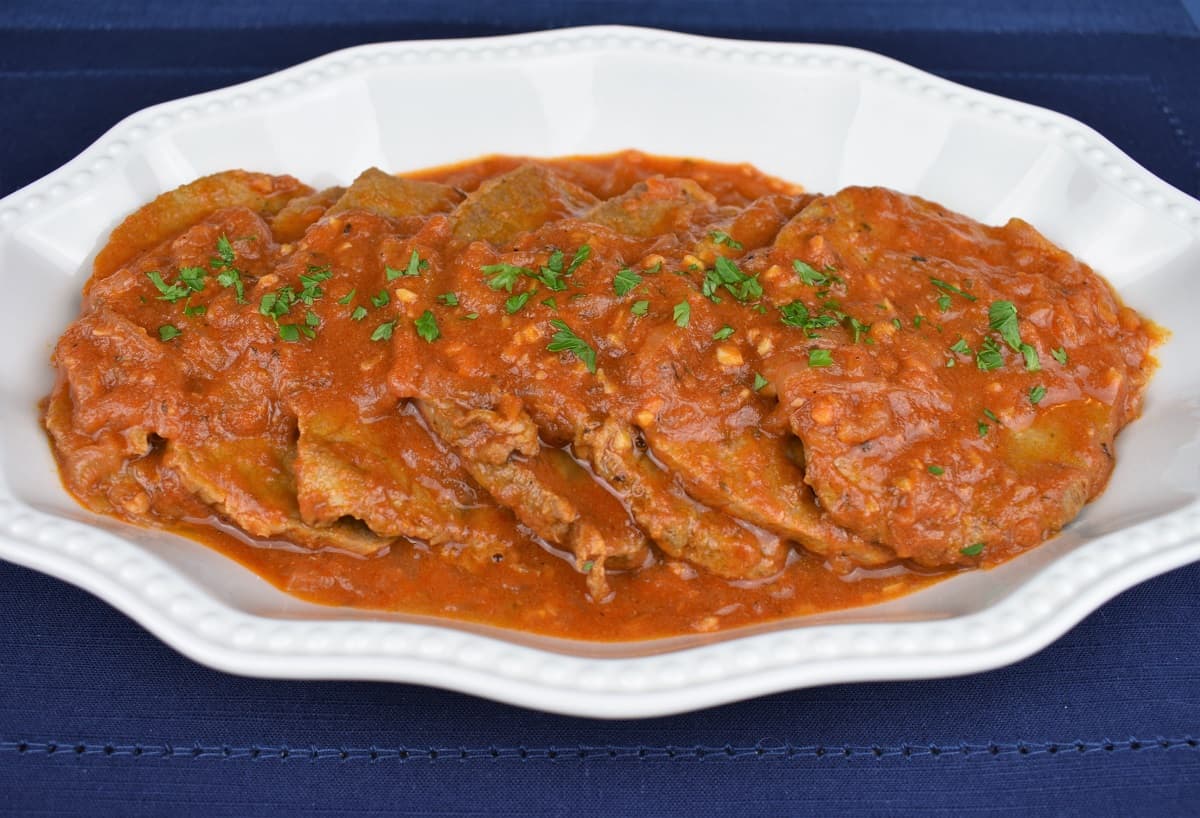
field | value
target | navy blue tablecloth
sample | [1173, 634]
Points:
[98, 718]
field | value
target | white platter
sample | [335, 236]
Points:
[823, 116]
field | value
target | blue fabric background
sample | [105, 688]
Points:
[97, 717]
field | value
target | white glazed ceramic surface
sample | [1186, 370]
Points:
[820, 115]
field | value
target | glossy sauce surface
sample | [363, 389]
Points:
[916, 461]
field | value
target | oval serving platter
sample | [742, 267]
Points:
[823, 116]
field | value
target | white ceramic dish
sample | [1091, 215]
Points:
[820, 115]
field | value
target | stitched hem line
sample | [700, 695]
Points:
[580, 752]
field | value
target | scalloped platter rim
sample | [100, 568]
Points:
[559, 92]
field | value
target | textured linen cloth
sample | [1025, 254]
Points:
[99, 718]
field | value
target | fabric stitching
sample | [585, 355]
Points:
[1181, 134]
[583, 752]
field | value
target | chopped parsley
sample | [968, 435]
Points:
[972, 550]
[809, 275]
[360, 312]
[199, 309]
[312, 319]
[1032, 362]
[1059, 355]
[820, 357]
[727, 274]
[516, 302]
[682, 314]
[1036, 394]
[723, 333]
[193, 277]
[565, 340]
[1002, 317]
[794, 314]
[625, 281]
[551, 303]
[551, 272]
[896, 323]
[289, 332]
[427, 326]
[960, 347]
[918, 320]
[167, 292]
[449, 299]
[381, 299]
[943, 303]
[936, 471]
[989, 356]
[639, 307]
[989, 414]
[503, 275]
[982, 427]
[384, 331]
[721, 237]
[950, 288]
[227, 274]
[347, 298]
[759, 382]
[415, 265]
[581, 255]
[166, 332]
[857, 328]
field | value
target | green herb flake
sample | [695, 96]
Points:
[972, 550]
[193, 277]
[857, 329]
[471, 316]
[1002, 317]
[625, 281]
[960, 347]
[1032, 362]
[1036, 394]
[504, 276]
[723, 333]
[989, 356]
[565, 340]
[289, 332]
[359, 313]
[384, 331]
[639, 307]
[348, 297]
[551, 303]
[918, 320]
[759, 382]
[312, 319]
[721, 237]
[1059, 355]
[896, 323]
[167, 292]
[820, 357]
[449, 299]
[950, 288]
[381, 299]
[682, 314]
[416, 264]
[516, 302]
[936, 471]
[427, 326]
[167, 332]
[943, 303]
[581, 255]
[193, 311]
[809, 275]
[982, 427]
[794, 314]
[990, 415]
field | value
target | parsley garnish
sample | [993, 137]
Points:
[625, 280]
[982, 427]
[936, 471]
[515, 302]
[289, 332]
[1002, 317]
[551, 272]
[721, 237]
[989, 356]
[227, 274]
[166, 332]
[795, 314]
[551, 303]
[682, 314]
[943, 303]
[857, 328]
[759, 381]
[1032, 362]
[348, 297]
[820, 357]
[960, 347]
[384, 331]
[504, 276]
[950, 288]
[809, 275]
[427, 326]
[639, 307]
[360, 312]
[193, 277]
[167, 292]
[581, 255]
[449, 299]
[565, 340]
[917, 321]
[199, 309]
[414, 268]
[723, 333]
[1059, 355]
[990, 415]
[1036, 394]
[972, 550]
[382, 299]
